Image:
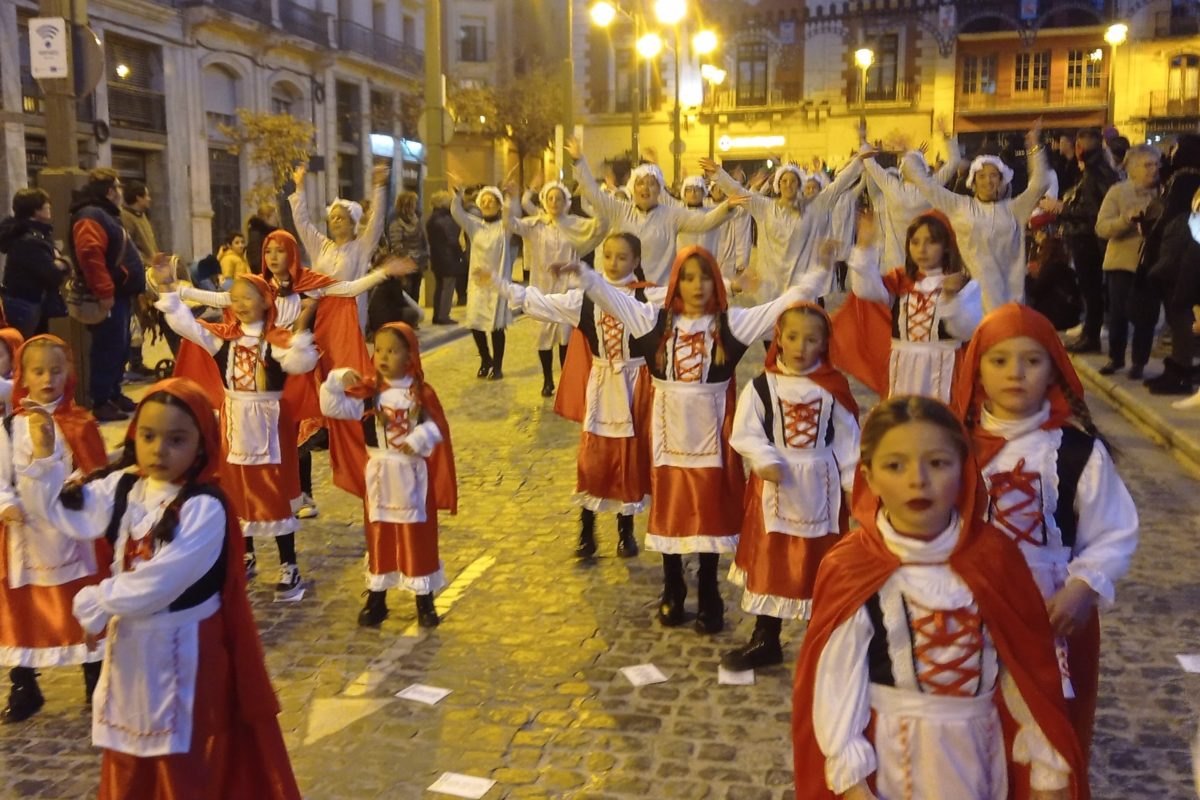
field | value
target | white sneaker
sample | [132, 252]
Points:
[308, 507]
[251, 564]
[289, 582]
[1187, 403]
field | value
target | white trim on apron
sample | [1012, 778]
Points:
[686, 424]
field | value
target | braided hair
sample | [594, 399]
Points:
[71, 495]
[1083, 415]
[675, 306]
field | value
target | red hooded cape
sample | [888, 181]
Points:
[1009, 603]
[824, 375]
[77, 424]
[861, 343]
[351, 450]
[1008, 322]
[260, 766]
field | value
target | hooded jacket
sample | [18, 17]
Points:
[32, 266]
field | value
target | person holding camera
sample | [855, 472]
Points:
[1120, 222]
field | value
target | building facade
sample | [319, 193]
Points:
[979, 68]
[176, 70]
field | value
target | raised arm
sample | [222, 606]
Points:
[1024, 203]
[847, 176]
[353, 288]
[953, 158]
[700, 221]
[749, 325]
[335, 404]
[609, 208]
[312, 239]
[638, 318]
[561, 307]
[935, 193]
[180, 320]
[468, 222]
[205, 297]
[376, 216]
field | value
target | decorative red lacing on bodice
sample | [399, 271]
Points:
[801, 423]
[936, 632]
[138, 550]
[1016, 499]
[689, 357]
[396, 426]
[245, 368]
[612, 336]
[921, 307]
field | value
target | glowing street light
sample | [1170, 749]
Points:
[704, 42]
[649, 45]
[713, 74]
[864, 57]
[670, 12]
[1115, 35]
[603, 13]
[123, 71]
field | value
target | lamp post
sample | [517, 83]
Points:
[864, 57]
[714, 77]
[1115, 35]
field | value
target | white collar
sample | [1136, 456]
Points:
[920, 551]
[398, 383]
[1014, 428]
[784, 369]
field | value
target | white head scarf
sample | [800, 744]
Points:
[785, 168]
[695, 181]
[562, 187]
[355, 210]
[1006, 174]
[643, 170]
[493, 191]
[819, 176]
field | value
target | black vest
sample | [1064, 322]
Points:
[274, 372]
[647, 347]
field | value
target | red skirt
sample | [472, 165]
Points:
[228, 758]
[262, 494]
[611, 471]
[405, 554]
[696, 510]
[37, 628]
[777, 570]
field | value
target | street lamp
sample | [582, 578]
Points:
[864, 57]
[1115, 35]
[714, 76]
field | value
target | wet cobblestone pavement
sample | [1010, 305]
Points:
[531, 643]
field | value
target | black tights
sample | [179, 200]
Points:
[496, 358]
[286, 544]
[547, 359]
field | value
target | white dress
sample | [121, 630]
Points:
[145, 701]
[937, 729]
[487, 310]
[901, 202]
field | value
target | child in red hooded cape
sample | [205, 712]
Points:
[254, 357]
[407, 469]
[184, 708]
[40, 569]
[928, 669]
[10, 342]
[797, 427]
[692, 344]
[901, 333]
[1051, 484]
[336, 333]
[613, 467]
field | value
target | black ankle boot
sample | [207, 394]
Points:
[91, 676]
[375, 611]
[627, 546]
[1174, 380]
[670, 610]
[587, 534]
[25, 698]
[763, 650]
[710, 616]
[426, 612]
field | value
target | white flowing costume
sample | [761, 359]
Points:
[487, 310]
[902, 201]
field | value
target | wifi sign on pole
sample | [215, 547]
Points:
[48, 43]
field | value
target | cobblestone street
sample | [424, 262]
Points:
[531, 643]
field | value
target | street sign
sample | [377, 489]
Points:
[48, 43]
[678, 147]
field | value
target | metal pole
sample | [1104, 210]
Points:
[1112, 88]
[677, 141]
[636, 104]
[435, 111]
[568, 119]
[862, 93]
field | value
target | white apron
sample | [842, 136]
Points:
[922, 368]
[686, 424]
[397, 485]
[252, 429]
[807, 502]
[609, 398]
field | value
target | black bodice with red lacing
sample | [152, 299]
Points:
[1015, 504]
[246, 363]
[685, 362]
[916, 311]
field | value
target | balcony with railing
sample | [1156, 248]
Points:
[901, 94]
[304, 22]
[257, 10]
[140, 109]
[1174, 104]
[1179, 21]
[379, 47]
[991, 101]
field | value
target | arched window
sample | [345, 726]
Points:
[224, 168]
[220, 99]
[285, 99]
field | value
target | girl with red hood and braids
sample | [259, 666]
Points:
[692, 344]
[1052, 487]
[336, 332]
[254, 357]
[40, 569]
[900, 333]
[797, 427]
[612, 402]
[10, 342]
[928, 669]
[184, 707]
[406, 468]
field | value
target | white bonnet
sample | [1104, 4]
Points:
[1006, 173]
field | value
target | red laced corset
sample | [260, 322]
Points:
[801, 423]
[612, 337]
[138, 550]
[245, 368]
[920, 307]
[689, 357]
[396, 426]
[947, 650]
[1016, 501]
